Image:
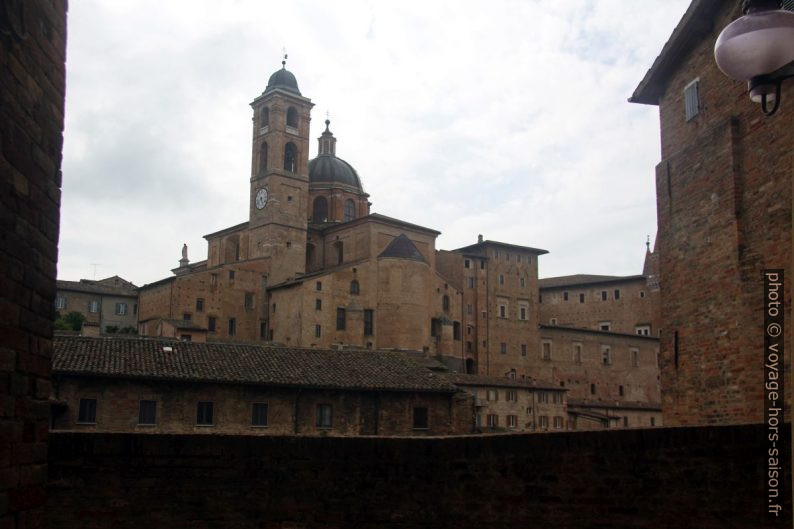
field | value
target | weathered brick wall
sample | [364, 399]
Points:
[724, 214]
[354, 412]
[32, 55]
[708, 477]
[635, 306]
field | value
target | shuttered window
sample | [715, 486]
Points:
[692, 99]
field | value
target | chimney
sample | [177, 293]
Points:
[479, 238]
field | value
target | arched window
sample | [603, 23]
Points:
[292, 117]
[290, 157]
[339, 247]
[354, 288]
[264, 117]
[445, 303]
[350, 210]
[263, 157]
[320, 210]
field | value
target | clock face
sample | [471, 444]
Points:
[261, 198]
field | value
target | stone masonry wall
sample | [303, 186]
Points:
[32, 56]
[707, 477]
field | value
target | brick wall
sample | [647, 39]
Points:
[724, 214]
[707, 477]
[32, 54]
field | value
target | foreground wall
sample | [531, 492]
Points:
[32, 48]
[705, 477]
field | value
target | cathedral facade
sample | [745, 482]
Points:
[313, 267]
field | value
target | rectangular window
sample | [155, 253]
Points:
[211, 324]
[625, 422]
[502, 311]
[273, 309]
[121, 309]
[147, 412]
[635, 357]
[558, 422]
[469, 309]
[546, 350]
[213, 279]
[603, 295]
[232, 326]
[317, 331]
[493, 420]
[543, 397]
[581, 298]
[135, 308]
[471, 282]
[318, 286]
[420, 418]
[492, 395]
[605, 326]
[643, 330]
[653, 421]
[469, 347]
[341, 319]
[501, 279]
[324, 416]
[522, 282]
[616, 294]
[577, 353]
[187, 316]
[592, 389]
[231, 275]
[263, 329]
[466, 263]
[620, 391]
[369, 322]
[511, 395]
[456, 330]
[692, 100]
[503, 348]
[544, 421]
[60, 302]
[186, 338]
[565, 296]
[249, 301]
[259, 414]
[86, 414]
[523, 349]
[318, 304]
[200, 305]
[606, 355]
[204, 413]
[522, 313]
[512, 421]
[93, 306]
[557, 397]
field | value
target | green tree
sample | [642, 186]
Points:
[72, 321]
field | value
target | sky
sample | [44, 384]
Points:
[506, 118]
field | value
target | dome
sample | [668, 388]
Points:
[283, 79]
[328, 169]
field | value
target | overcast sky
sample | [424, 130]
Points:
[502, 118]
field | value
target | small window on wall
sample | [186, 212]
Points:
[121, 309]
[581, 298]
[354, 287]
[199, 305]
[522, 314]
[445, 303]
[60, 302]
[204, 413]
[259, 414]
[493, 420]
[264, 117]
[292, 117]
[350, 210]
[546, 350]
[290, 157]
[692, 100]
[232, 326]
[420, 418]
[249, 301]
[606, 355]
[93, 306]
[211, 324]
[147, 412]
[324, 416]
[512, 421]
[369, 322]
[86, 414]
[456, 330]
[341, 319]
[466, 263]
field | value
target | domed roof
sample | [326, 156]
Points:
[327, 168]
[283, 79]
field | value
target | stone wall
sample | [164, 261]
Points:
[290, 411]
[724, 195]
[32, 55]
[707, 477]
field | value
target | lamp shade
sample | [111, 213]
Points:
[756, 44]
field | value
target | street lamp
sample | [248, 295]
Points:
[759, 48]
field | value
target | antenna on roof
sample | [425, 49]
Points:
[95, 265]
[284, 62]
[648, 243]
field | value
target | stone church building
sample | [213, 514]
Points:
[314, 268]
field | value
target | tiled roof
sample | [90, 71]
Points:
[243, 364]
[479, 247]
[583, 279]
[91, 287]
[654, 406]
[461, 379]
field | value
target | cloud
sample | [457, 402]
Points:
[506, 118]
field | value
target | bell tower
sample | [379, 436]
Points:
[280, 176]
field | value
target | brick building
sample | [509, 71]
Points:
[724, 192]
[108, 305]
[164, 386]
